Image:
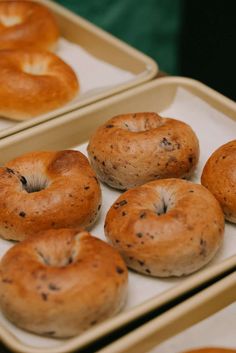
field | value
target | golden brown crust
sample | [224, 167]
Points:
[34, 82]
[219, 176]
[69, 195]
[165, 228]
[61, 282]
[132, 149]
[27, 24]
[211, 350]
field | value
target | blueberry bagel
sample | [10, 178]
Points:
[61, 282]
[132, 149]
[43, 190]
[168, 227]
[219, 176]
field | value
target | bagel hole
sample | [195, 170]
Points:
[43, 258]
[60, 258]
[165, 207]
[162, 208]
[10, 20]
[164, 204]
[35, 184]
[36, 67]
[141, 125]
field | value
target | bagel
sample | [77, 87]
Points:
[43, 190]
[34, 82]
[219, 176]
[27, 24]
[132, 149]
[164, 228]
[61, 282]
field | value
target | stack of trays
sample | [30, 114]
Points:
[126, 66]
[183, 99]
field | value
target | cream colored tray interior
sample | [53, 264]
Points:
[181, 328]
[103, 64]
[73, 129]
[217, 330]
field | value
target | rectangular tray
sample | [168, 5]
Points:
[100, 45]
[74, 128]
[184, 320]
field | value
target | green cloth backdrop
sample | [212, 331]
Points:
[151, 26]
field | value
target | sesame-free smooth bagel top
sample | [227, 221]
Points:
[27, 24]
[168, 227]
[219, 176]
[61, 282]
[132, 149]
[43, 190]
[34, 82]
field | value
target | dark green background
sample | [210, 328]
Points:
[194, 38]
[152, 26]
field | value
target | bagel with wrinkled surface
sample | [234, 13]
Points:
[43, 190]
[34, 82]
[132, 149]
[27, 24]
[61, 283]
[219, 176]
[168, 227]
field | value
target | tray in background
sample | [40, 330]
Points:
[77, 126]
[185, 321]
[101, 46]
[217, 330]
[73, 129]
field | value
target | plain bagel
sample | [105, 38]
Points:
[43, 190]
[34, 82]
[219, 176]
[165, 228]
[61, 283]
[27, 24]
[132, 149]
